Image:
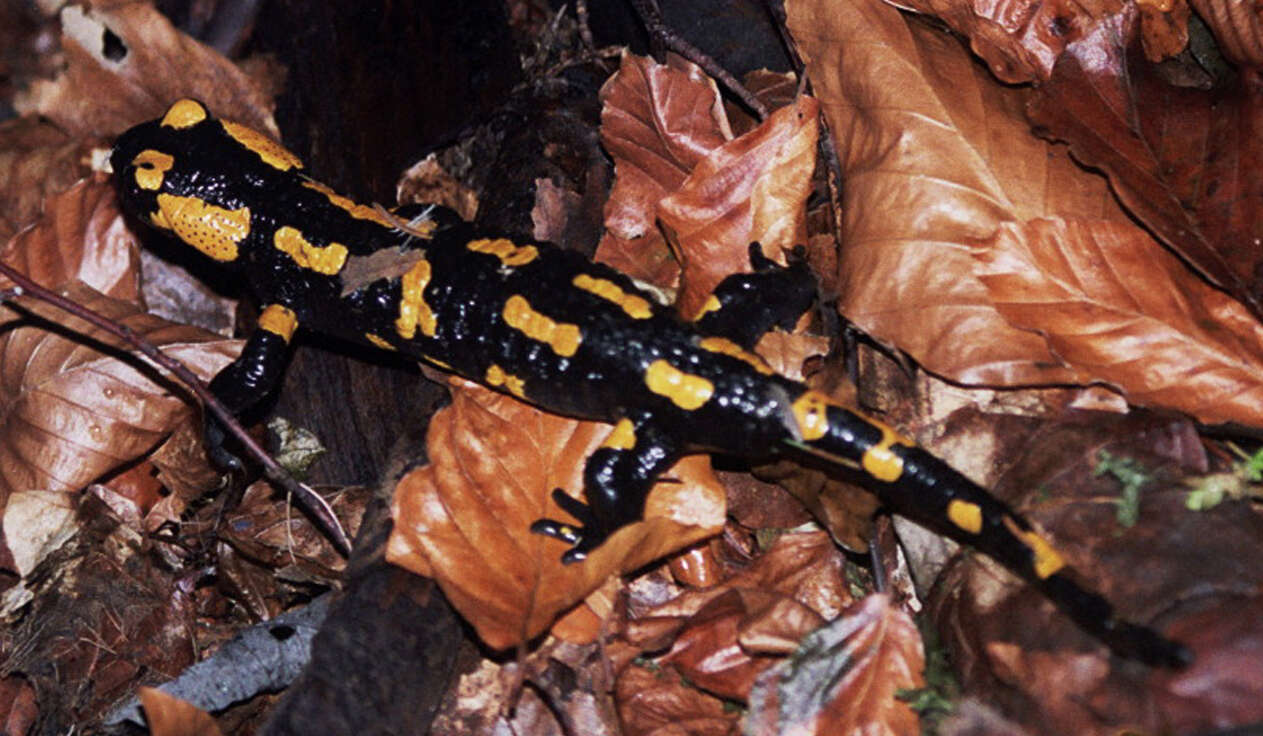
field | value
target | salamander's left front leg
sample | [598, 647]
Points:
[251, 377]
[616, 482]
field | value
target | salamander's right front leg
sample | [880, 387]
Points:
[250, 378]
[616, 482]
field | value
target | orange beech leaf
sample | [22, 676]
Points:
[36, 160]
[168, 715]
[1130, 315]
[1019, 40]
[658, 121]
[844, 677]
[722, 637]
[935, 155]
[1238, 27]
[126, 63]
[73, 413]
[753, 188]
[657, 702]
[465, 518]
[81, 236]
[1187, 163]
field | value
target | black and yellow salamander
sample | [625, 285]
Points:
[554, 329]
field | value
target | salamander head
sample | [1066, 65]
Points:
[194, 176]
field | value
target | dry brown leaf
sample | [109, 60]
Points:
[1129, 315]
[658, 703]
[844, 677]
[1020, 40]
[73, 413]
[81, 236]
[1163, 27]
[1238, 28]
[168, 715]
[36, 160]
[722, 637]
[465, 518]
[1187, 163]
[427, 182]
[657, 123]
[709, 651]
[266, 527]
[105, 619]
[934, 155]
[1013, 647]
[753, 188]
[125, 63]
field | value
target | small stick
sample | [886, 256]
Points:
[308, 499]
[653, 24]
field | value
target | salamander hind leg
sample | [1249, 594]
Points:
[616, 480]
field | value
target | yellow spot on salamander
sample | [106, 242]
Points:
[965, 515]
[151, 167]
[636, 307]
[327, 260]
[272, 153]
[811, 413]
[685, 390]
[184, 114]
[727, 347]
[623, 437]
[1046, 560]
[509, 253]
[279, 320]
[213, 230]
[350, 206]
[879, 460]
[379, 342]
[497, 378]
[712, 305]
[563, 338]
[413, 310]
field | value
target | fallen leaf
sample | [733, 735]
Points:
[168, 715]
[73, 413]
[107, 618]
[934, 155]
[36, 160]
[1011, 645]
[465, 518]
[1127, 314]
[657, 122]
[656, 702]
[1187, 163]
[753, 188]
[81, 236]
[844, 677]
[721, 637]
[126, 63]
[1020, 40]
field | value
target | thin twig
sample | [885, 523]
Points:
[668, 37]
[308, 499]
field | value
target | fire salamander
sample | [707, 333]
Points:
[550, 327]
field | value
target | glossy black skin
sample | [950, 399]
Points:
[749, 413]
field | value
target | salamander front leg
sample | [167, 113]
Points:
[616, 482]
[248, 379]
[745, 306]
